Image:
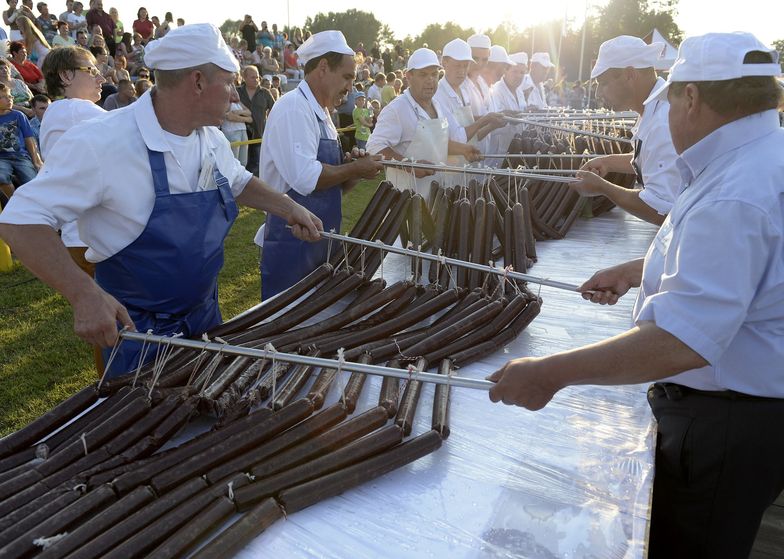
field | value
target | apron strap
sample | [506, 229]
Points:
[160, 179]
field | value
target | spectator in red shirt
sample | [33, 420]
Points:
[96, 16]
[30, 73]
[143, 26]
[291, 63]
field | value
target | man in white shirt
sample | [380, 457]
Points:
[453, 94]
[374, 91]
[302, 157]
[156, 235]
[710, 311]
[478, 89]
[506, 97]
[626, 77]
[536, 96]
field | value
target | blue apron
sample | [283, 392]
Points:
[285, 259]
[168, 277]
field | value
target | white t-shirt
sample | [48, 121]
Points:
[231, 125]
[110, 191]
[503, 99]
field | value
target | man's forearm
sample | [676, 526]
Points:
[258, 194]
[629, 200]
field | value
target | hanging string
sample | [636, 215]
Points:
[270, 349]
[112, 355]
[142, 357]
[341, 361]
[199, 358]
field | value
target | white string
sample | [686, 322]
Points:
[199, 358]
[448, 392]
[231, 490]
[211, 370]
[46, 543]
[142, 357]
[362, 259]
[167, 351]
[269, 348]
[112, 355]
[341, 362]
[84, 442]
[329, 247]
[379, 241]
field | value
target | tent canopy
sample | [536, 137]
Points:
[669, 53]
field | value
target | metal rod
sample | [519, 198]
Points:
[621, 115]
[542, 155]
[451, 261]
[405, 374]
[577, 131]
[476, 171]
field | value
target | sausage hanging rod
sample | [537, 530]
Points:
[571, 130]
[477, 171]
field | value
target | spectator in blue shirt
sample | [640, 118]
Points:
[18, 151]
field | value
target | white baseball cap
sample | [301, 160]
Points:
[479, 41]
[519, 58]
[498, 54]
[458, 49]
[625, 51]
[422, 58]
[717, 57]
[543, 59]
[189, 46]
[321, 43]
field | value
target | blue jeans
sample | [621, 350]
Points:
[18, 165]
[361, 144]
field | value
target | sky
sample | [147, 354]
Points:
[409, 17]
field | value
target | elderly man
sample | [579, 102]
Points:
[260, 102]
[415, 126]
[478, 89]
[535, 95]
[625, 74]
[710, 311]
[506, 97]
[454, 96]
[158, 246]
[302, 157]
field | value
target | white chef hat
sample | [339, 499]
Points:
[717, 57]
[458, 49]
[321, 43]
[422, 58]
[519, 58]
[479, 41]
[543, 59]
[625, 51]
[498, 54]
[189, 46]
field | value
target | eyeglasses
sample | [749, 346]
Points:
[144, 75]
[92, 70]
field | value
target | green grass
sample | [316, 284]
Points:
[42, 362]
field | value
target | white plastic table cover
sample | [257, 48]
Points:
[572, 480]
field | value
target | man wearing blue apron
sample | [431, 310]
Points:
[155, 209]
[301, 157]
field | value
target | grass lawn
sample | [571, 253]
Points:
[42, 362]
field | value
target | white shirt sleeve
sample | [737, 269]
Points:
[293, 149]
[388, 132]
[661, 176]
[229, 166]
[711, 274]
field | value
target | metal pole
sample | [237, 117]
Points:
[478, 171]
[567, 129]
[452, 261]
[541, 156]
[405, 374]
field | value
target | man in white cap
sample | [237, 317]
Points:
[453, 93]
[415, 126]
[626, 77]
[536, 97]
[302, 157]
[497, 64]
[709, 316]
[478, 89]
[506, 97]
[154, 209]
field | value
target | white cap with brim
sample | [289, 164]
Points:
[543, 59]
[322, 43]
[458, 49]
[717, 57]
[498, 54]
[189, 46]
[519, 58]
[479, 41]
[626, 51]
[422, 58]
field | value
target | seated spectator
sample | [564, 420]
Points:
[364, 78]
[77, 20]
[81, 39]
[126, 94]
[102, 63]
[234, 127]
[277, 42]
[143, 74]
[374, 91]
[119, 28]
[63, 37]
[46, 22]
[141, 85]
[267, 64]
[20, 93]
[19, 157]
[9, 18]
[39, 105]
[30, 73]
[276, 87]
[136, 54]
[143, 26]
[363, 121]
[180, 22]
[36, 45]
[388, 92]
[120, 68]
[165, 25]
[291, 64]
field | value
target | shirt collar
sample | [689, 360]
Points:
[149, 127]
[318, 109]
[731, 136]
[643, 124]
[419, 111]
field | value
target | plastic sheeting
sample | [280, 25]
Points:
[572, 480]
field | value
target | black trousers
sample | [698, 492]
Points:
[719, 466]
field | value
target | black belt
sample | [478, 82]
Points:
[675, 392]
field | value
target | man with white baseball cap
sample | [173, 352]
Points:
[153, 210]
[453, 93]
[478, 89]
[710, 310]
[506, 98]
[301, 156]
[415, 126]
[625, 75]
[536, 97]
